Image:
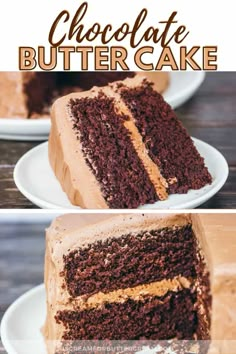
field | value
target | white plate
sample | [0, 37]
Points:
[182, 86]
[24, 129]
[21, 325]
[37, 182]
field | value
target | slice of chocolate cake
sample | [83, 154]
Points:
[153, 279]
[127, 277]
[122, 146]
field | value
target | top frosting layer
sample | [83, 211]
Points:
[218, 231]
[78, 230]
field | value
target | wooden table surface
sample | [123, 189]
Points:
[210, 116]
[21, 260]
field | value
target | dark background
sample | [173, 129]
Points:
[210, 116]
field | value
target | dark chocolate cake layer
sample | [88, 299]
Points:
[166, 140]
[130, 260]
[110, 154]
[86, 80]
[171, 316]
[39, 92]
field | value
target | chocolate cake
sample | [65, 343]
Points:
[30, 94]
[122, 146]
[139, 278]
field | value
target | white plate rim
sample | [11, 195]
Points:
[35, 200]
[185, 205]
[188, 91]
[23, 137]
[17, 121]
[10, 310]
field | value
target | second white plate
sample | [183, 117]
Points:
[21, 325]
[182, 86]
[37, 182]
